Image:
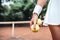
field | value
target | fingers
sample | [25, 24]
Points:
[30, 23]
[33, 22]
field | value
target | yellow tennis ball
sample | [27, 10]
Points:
[35, 29]
[39, 22]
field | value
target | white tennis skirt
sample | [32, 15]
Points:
[53, 13]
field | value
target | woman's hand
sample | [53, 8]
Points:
[34, 20]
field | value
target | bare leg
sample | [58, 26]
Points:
[55, 31]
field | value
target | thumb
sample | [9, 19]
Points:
[34, 23]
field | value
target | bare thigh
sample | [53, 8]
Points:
[55, 31]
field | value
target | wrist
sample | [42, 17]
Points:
[35, 15]
[37, 10]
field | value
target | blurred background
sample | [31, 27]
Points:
[19, 10]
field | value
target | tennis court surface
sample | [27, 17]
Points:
[23, 32]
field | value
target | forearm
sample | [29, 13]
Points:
[41, 2]
[38, 8]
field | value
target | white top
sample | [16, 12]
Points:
[53, 13]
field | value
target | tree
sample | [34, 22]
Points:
[19, 10]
